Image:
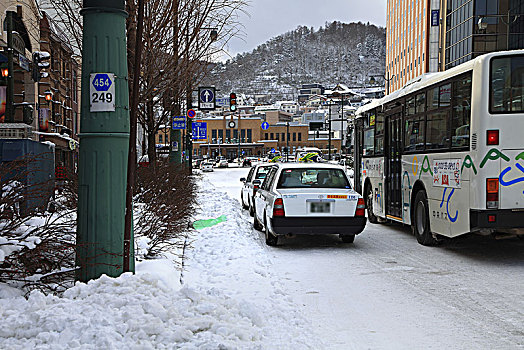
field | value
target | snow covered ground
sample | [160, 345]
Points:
[382, 292]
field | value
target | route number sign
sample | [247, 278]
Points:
[102, 92]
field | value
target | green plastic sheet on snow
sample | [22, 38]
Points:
[201, 224]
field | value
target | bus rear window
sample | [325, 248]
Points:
[507, 85]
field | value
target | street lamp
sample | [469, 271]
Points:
[48, 95]
[387, 79]
[329, 128]
[506, 19]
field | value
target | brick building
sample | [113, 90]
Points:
[59, 118]
[226, 136]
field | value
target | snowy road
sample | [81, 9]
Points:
[386, 291]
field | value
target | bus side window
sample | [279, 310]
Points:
[461, 112]
[369, 134]
[379, 133]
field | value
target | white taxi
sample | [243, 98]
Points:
[310, 199]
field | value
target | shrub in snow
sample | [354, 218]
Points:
[36, 250]
[164, 204]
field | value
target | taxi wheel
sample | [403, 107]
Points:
[252, 210]
[242, 201]
[347, 238]
[257, 225]
[420, 225]
[271, 240]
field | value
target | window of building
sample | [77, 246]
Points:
[214, 134]
[243, 135]
[300, 136]
[283, 137]
[249, 135]
[272, 136]
[160, 138]
[266, 136]
[228, 135]
[294, 136]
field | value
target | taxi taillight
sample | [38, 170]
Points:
[278, 208]
[361, 208]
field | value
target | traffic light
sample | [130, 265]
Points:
[39, 63]
[232, 102]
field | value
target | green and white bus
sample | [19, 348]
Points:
[445, 154]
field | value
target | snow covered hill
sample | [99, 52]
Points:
[339, 52]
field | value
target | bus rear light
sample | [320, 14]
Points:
[361, 207]
[492, 193]
[278, 208]
[493, 137]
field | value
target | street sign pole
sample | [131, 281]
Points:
[104, 142]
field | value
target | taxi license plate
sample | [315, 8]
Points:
[320, 207]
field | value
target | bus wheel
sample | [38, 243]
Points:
[420, 224]
[371, 217]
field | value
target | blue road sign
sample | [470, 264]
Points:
[179, 123]
[206, 98]
[273, 150]
[102, 82]
[265, 126]
[207, 95]
[199, 130]
[222, 102]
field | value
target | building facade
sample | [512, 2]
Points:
[59, 117]
[475, 27]
[26, 40]
[231, 136]
[409, 25]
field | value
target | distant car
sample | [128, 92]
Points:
[206, 166]
[254, 179]
[246, 162]
[308, 198]
[222, 163]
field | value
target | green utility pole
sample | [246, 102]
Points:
[104, 141]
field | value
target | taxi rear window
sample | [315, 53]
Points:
[262, 172]
[313, 178]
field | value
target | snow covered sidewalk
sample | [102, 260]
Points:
[229, 299]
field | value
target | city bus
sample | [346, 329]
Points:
[445, 154]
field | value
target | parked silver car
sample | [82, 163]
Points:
[254, 179]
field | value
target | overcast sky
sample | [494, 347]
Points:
[270, 18]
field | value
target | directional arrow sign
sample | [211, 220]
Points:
[206, 98]
[264, 125]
